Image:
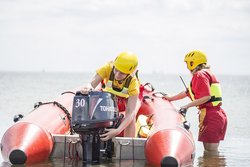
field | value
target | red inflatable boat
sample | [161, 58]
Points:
[30, 139]
[169, 143]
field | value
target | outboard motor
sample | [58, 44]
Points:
[92, 113]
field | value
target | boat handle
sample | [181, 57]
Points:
[124, 143]
[150, 86]
[159, 94]
[146, 98]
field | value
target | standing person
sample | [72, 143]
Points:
[118, 77]
[205, 93]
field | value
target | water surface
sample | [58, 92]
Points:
[19, 92]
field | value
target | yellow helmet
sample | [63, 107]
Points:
[195, 58]
[126, 62]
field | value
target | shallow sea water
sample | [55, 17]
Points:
[19, 92]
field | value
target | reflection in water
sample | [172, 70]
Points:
[113, 163]
[211, 159]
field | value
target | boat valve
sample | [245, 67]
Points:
[17, 117]
[183, 112]
[186, 125]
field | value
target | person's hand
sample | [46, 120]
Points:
[86, 89]
[109, 134]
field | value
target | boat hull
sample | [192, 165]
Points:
[169, 142]
[167, 145]
[30, 139]
[31, 144]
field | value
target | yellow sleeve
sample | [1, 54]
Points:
[105, 70]
[134, 87]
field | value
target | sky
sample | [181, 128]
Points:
[82, 35]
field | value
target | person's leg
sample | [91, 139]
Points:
[211, 158]
[211, 146]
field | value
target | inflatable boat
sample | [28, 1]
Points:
[169, 141]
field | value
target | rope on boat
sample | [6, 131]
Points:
[61, 107]
[68, 92]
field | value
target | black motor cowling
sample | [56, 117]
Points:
[92, 113]
[94, 110]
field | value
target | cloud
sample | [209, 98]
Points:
[59, 32]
